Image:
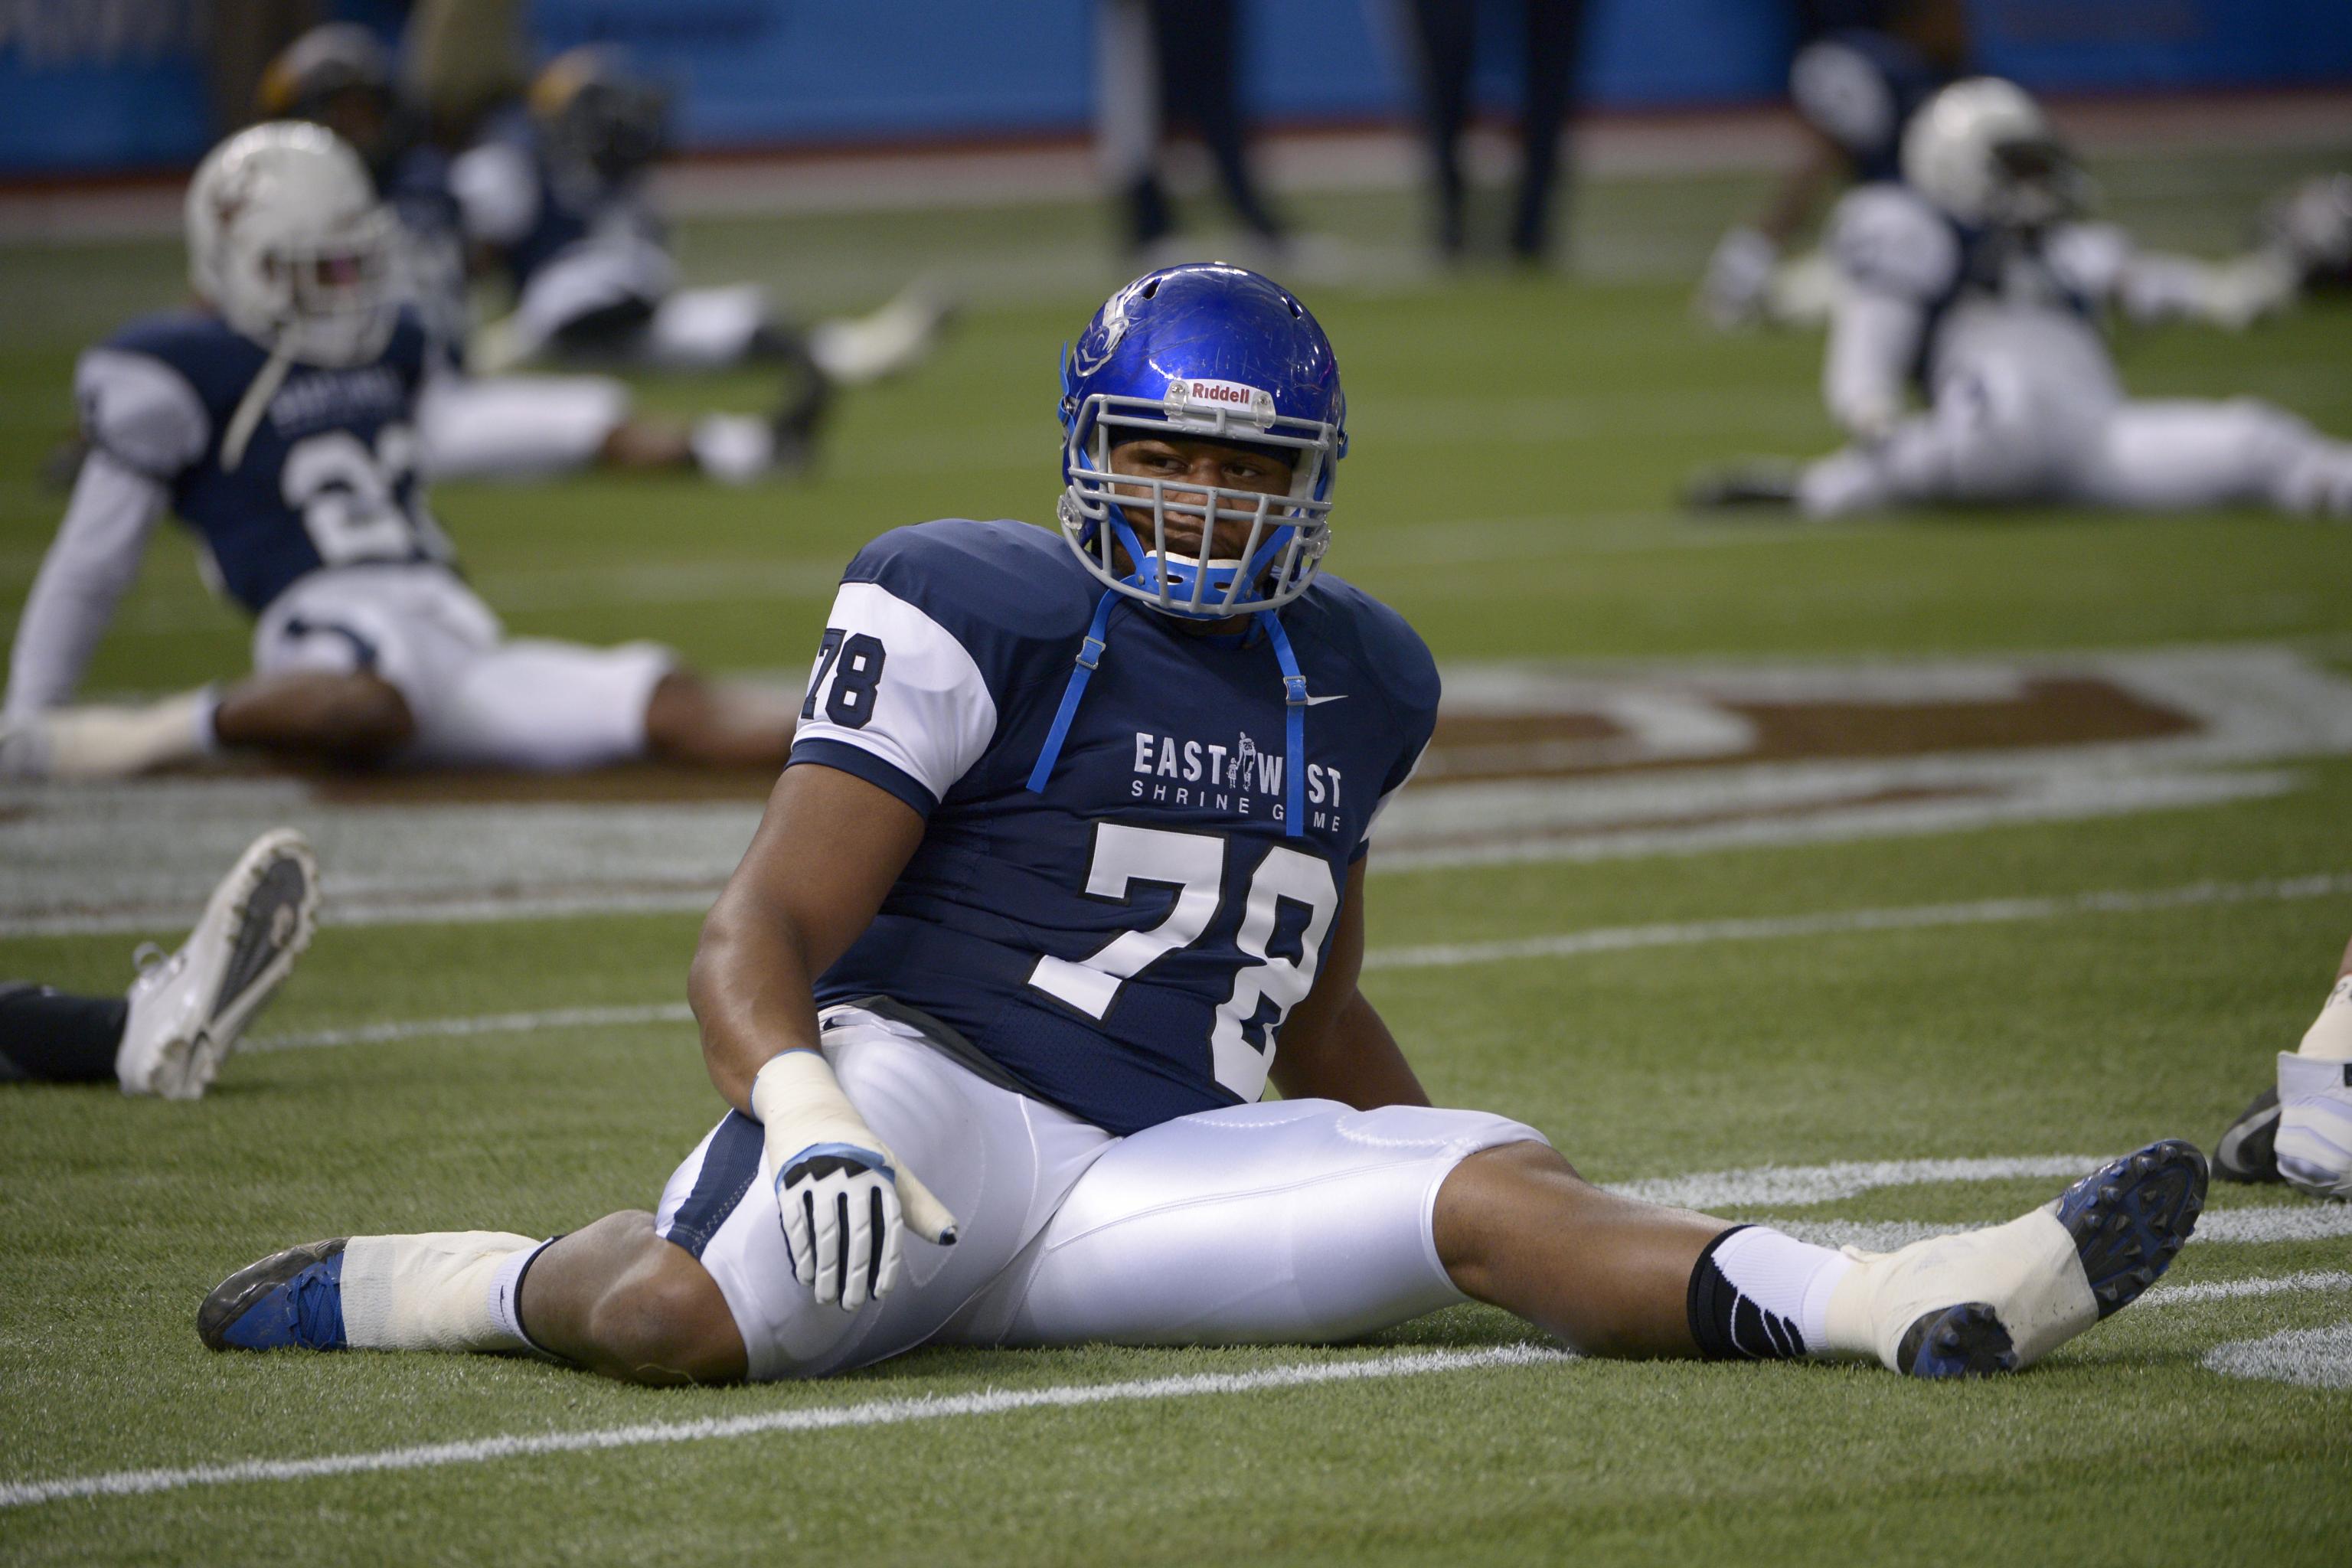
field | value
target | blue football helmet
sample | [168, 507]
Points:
[1212, 352]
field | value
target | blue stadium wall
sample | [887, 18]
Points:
[110, 85]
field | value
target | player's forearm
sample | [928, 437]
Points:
[92, 560]
[1354, 1060]
[753, 988]
[1873, 342]
[1798, 193]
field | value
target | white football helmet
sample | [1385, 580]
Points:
[1983, 150]
[287, 240]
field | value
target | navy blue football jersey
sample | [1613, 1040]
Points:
[1858, 86]
[329, 478]
[1890, 240]
[1125, 943]
[528, 213]
[432, 248]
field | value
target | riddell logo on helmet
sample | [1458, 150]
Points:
[1193, 396]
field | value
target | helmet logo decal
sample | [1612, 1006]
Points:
[1193, 399]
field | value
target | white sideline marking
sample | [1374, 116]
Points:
[2311, 1279]
[1566, 944]
[479, 1024]
[822, 1418]
[2301, 1221]
[2314, 1358]
[1986, 911]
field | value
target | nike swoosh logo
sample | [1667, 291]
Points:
[1334, 697]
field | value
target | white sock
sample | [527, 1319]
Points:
[2330, 1036]
[205, 737]
[432, 1292]
[2025, 1269]
[1777, 1306]
[733, 448]
[115, 742]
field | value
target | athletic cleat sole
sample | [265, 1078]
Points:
[274, 906]
[2248, 1150]
[257, 1308]
[2129, 1218]
[1966, 1340]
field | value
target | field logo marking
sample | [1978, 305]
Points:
[1530, 762]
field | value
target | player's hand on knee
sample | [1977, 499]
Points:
[843, 1197]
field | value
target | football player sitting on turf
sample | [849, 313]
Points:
[1074, 836]
[1853, 87]
[2299, 1131]
[275, 420]
[502, 426]
[555, 194]
[1973, 283]
[182, 1016]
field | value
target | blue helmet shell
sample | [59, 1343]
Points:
[1209, 350]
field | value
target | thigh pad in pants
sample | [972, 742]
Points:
[1297, 1222]
[1002, 1163]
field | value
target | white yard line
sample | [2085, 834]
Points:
[821, 1418]
[1565, 944]
[2311, 1279]
[2309, 1358]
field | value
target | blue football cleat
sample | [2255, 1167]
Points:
[2129, 1218]
[1995, 1300]
[289, 1301]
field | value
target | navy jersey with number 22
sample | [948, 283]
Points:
[329, 478]
[1127, 943]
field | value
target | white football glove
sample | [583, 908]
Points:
[1737, 276]
[842, 1194]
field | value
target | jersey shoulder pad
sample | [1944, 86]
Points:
[934, 630]
[1887, 239]
[1843, 90]
[139, 399]
[999, 588]
[495, 185]
[2090, 258]
[1383, 645]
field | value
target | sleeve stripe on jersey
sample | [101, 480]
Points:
[862, 763]
[893, 682]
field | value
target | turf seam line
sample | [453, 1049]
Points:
[1567, 944]
[872, 1413]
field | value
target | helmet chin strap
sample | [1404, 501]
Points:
[1294, 684]
[250, 408]
[1142, 577]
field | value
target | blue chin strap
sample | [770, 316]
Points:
[1182, 578]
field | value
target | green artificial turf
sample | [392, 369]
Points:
[1518, 444]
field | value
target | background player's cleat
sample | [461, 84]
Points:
[1994, 1300]
[2248, 1151]
[187, 1009]
[289, 1301]
[2314, 1125]
[1760, 483]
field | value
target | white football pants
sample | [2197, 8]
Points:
[1291, 1222]
[478, 698]
[515, 426]
[2032, 412]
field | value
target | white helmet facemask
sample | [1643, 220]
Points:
[1983, 151]
[287, 239]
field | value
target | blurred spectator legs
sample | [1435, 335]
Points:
[1444, 33]
[1163, 61]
